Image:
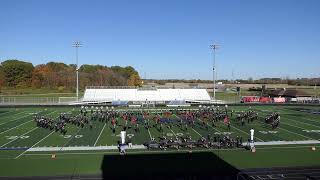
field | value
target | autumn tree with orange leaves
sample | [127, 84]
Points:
[57, 75]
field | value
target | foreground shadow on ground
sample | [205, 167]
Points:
[191, 166]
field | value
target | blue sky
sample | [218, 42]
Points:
[168, 38]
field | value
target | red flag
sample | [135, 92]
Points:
[133, 119]
[167, 114]
[226, 120]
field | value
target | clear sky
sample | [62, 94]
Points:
[168, 38]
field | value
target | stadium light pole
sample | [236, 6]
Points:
[214, 47]
[77, 44]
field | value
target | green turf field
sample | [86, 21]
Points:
[18, 132]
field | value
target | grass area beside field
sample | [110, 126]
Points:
[90, 163]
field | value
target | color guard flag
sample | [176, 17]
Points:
[226, 120]
[133, 119]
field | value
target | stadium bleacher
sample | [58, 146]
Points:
[99, 95]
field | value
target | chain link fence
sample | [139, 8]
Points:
[31, 100]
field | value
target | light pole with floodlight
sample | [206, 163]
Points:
[214, 46]
[77, 44]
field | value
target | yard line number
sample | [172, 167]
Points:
[268, 132]
[311, 131]
[15, 137]
[69, 136]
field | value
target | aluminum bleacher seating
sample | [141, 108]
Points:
[130, 94]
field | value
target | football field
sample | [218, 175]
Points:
[27, 149]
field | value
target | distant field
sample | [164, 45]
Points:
[18, 132]
[39, 91]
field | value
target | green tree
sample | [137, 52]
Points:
[17, 72]
[2, 78]
[126, 71]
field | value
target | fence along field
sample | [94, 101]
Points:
[37, 100]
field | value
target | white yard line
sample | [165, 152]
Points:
[6, 118]
[19, 137]
[238, 130]
[211, 127]
[21, 124]
[235, 128]
[289, 115]
[36, 142]
[302, 123]
[148, 128]
[246, 133]
[292, 125]
[296, 133]
[149, 134]
[9, 112]
[15, 127]
[24, 112]
[100, 134]
[34, 145]
[283, 110]
[191, 127]
[197, 132]
[15, 119]
[309, 119]
[291, 119]
[4, 123]
[173, 133]
[71, 138]
[291, 131]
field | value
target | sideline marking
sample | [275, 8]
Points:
[161, 151]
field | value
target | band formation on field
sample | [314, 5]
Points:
[203, 127]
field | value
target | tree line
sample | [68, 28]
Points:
[297, 81]
[58, 75]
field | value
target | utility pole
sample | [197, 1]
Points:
[77, 44]
[214, 46]
[232, 74]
